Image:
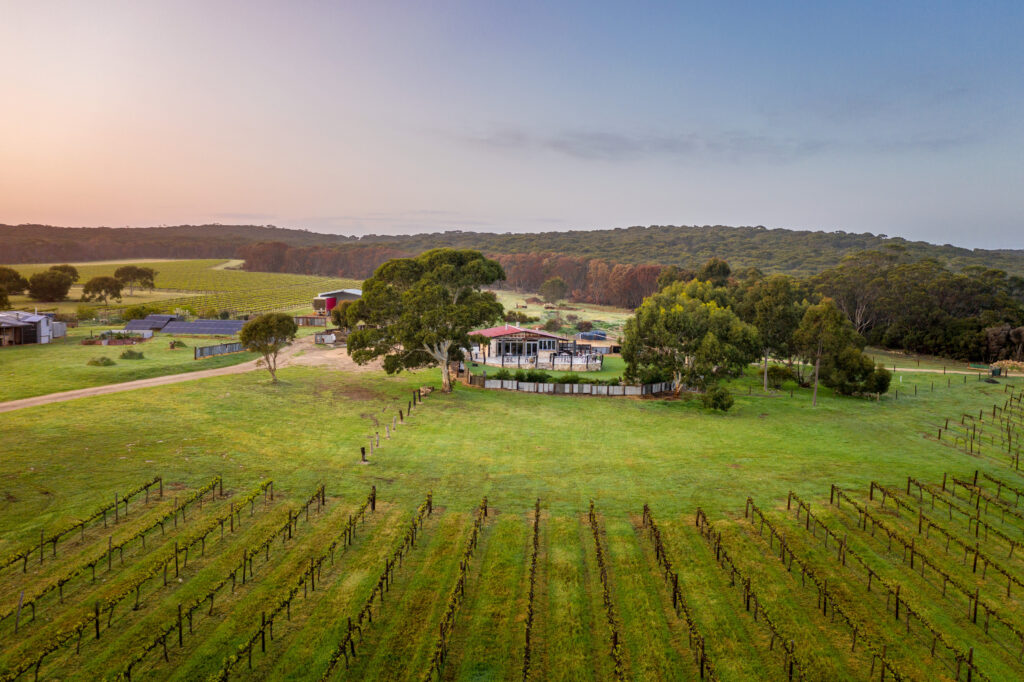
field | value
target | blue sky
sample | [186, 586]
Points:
[378, 117]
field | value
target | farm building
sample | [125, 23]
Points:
[509, 346]
[326, 302]
[18, 328]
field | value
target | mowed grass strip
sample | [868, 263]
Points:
[401, 641]
[566, 636]
[489, 633]
[315, 629]
[651, 631]
[738, 647]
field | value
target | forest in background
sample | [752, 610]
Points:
[800, 253]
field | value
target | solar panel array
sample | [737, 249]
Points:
[155, 322]
[219, 327]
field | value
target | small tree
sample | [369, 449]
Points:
[824, 330]
[70, 270]
[339, 315]
[51, 285]
[12, 281]
[267, 335]
[133, 275]
[554, 289]
[771, 306]
[584, 325]
[419, 311]
[716, 271]
[4, 301]
[102, 289]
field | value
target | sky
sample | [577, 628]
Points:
[385, 117]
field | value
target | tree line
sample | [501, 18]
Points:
[801, 253]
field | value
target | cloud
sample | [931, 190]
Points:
[614, 146]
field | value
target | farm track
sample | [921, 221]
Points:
[301, 353]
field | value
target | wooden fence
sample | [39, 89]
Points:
[570, 389]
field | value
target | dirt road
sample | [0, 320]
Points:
[301, 353]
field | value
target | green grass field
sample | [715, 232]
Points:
[32, 370]
[64, 460]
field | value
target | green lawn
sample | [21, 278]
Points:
[32, 370]
[62, 460]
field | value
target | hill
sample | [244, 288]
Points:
[772, 250]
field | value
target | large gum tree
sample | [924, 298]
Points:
[418, 312]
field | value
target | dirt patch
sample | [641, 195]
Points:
[8, 497]
[355, 392]
[371, 417]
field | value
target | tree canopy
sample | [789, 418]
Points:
[553, 289]
[419, 311]
[70, 270]
[134, 275]
[695, 342]
[267, 335]
[49, 285]
[12, 281]
[102, 289]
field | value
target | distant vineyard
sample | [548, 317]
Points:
[205, 286]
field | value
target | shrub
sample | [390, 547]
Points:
[225, 315]
[129, 354]
[571, 317]
[553, 325]
[102, 361]
[568, 379]
[777, 374]
[85, 312]
[538, 375]
[520, 375]
[584, 325]
[717, 398]
[209, 314]
[137, 312]
[176, 343]
[502, 374]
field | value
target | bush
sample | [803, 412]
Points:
[538, 375]
[568, 379]
[178, 344]
[585, 325]
[129, 354]
[209, 314]
[553, 325]
[572, 318]
[102, 361]
[85, 312]
[502, 374]
[225, 315]
[520, 375]
[717, 398]
[777, 374]
[137, 312]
